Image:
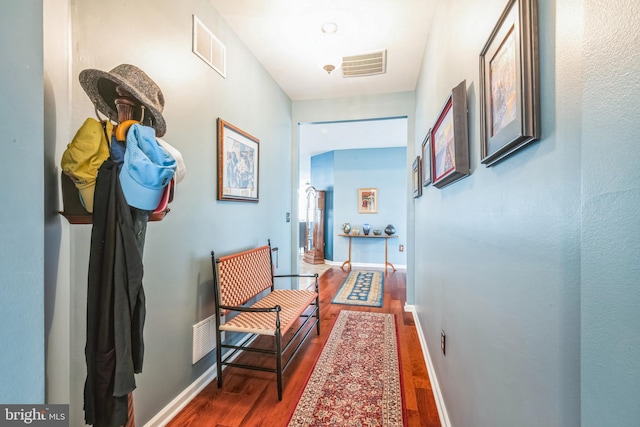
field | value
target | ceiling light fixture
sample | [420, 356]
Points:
[327, 46]
[329, 28]
[329, 68]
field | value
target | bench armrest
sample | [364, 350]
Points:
[297, 275]
[276, 309]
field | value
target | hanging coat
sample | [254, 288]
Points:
[115, 305]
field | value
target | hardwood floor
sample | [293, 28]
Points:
[249, 398]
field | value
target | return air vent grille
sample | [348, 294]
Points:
[208, 47]
[365, 65]
[204, 338]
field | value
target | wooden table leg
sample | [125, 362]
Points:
[386, 256]
[348, 261]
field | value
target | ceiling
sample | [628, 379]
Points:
[286, 37]
[316, 138]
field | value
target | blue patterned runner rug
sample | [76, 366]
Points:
[364, 288]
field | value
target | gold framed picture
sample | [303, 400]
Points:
[238, 159]
[367, 200]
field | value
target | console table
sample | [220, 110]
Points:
[370, 236]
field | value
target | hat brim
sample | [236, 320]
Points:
[138, 195]
[100, 86]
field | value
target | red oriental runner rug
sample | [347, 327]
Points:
[356, 380]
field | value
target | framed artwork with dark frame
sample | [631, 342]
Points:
[426, 160]
[238, 162]
[450, 140]
[510, 83]
[367, 200]
[417, 178]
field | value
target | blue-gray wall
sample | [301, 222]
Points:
[22, 213]
[178, 270]
[610, 237]
[531, 266]
[381, 168]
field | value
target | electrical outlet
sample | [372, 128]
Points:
[401, 248]
[443, 343]
[287, 217]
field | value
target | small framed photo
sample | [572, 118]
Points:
[368, 200]
[417, 178]
[426, 160]
[450, 140]
[238, 161]
[510, 83]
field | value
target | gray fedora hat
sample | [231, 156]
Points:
[101, 88]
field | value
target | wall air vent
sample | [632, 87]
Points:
[208, 47]
[367, 64]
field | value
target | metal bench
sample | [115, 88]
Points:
[247, 302]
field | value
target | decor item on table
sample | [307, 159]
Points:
[238, 161]
[346, 228]
[358, 369]
[355, 231]
[366, 228]
[510, 83]
[450, 139]
[365, 288]
[367, 200]
[417, 178]
[390, 230]
[426, 160]
[377, 232]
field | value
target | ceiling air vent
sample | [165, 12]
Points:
[365, 65]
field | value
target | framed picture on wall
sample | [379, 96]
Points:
[238, 161]
[450, 140]
[510, 83]
[417, 178]
[368, 200]
[426, 160]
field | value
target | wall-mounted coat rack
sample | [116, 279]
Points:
[75, 213]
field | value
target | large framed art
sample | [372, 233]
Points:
[450, 140]
[510, 83]
[238, 162]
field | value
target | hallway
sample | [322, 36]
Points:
[248, 398]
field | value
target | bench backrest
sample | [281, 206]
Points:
[243, 275]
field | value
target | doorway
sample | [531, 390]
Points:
[324, 142]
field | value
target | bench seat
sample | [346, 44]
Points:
[292, 302]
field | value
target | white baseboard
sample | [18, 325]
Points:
[172, 409]
[167, 413]
[437, 393]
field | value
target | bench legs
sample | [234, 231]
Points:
[279, 363]
[317, 312]
[277, 353]
[219, 356]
